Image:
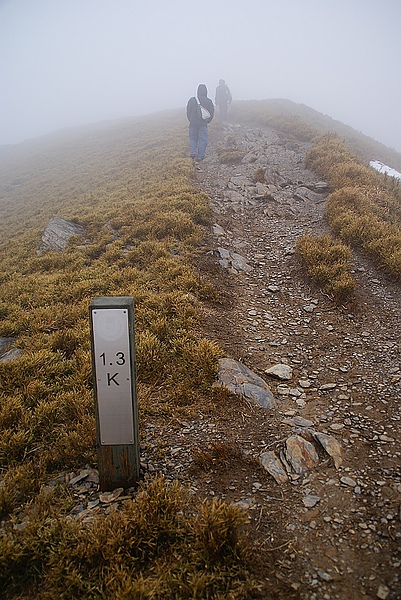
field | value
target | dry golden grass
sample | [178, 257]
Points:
[327, 262]
[362, 223]
[143, 218]
[161, 545]
[364, 209]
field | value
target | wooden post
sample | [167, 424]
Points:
[114, 376]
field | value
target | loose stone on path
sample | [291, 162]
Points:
[300, 454]
[331, 446]
[233, 260]
[280, 371]
[273, 466]
[239, 379]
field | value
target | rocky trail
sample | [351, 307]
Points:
[326, 516]
[340, 528]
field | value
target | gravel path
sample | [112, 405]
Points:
[345, 363]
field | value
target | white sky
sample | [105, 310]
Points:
[72, 62]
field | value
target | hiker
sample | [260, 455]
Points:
[198, 132]
[222, 99]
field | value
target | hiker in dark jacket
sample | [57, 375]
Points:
[223, 99]
[198, 132]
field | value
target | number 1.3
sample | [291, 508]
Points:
[120, 358]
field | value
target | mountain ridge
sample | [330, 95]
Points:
[368, 147]
[151, 220]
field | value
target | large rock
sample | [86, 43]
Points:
[331, 446]
[240, 380]
[12, 354]
[300, 454]
[7, 352]
[57, 234]
[233, 260]
[5, 344]
[273, 466]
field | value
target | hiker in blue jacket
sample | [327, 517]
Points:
[198, 132]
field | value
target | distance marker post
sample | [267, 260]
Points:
[116, 405]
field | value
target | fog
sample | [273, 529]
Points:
[65, 63]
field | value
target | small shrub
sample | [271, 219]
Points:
[20, 483]
[65, 341]
[217, 454]
[216, 531]
[327, 152]
[259, 175]
[151, 356]
[293, 126]
[175, 224]
[327, 263]
[197, 361]
[359, 222]
[348, 173]
[230, 157]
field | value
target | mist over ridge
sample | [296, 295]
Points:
[92, 138]
[70, 63]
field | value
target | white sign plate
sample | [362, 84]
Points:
[113, 375]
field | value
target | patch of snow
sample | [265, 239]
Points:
[382, 168]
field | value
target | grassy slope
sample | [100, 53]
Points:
[130, 185]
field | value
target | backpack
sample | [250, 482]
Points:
[202, 112]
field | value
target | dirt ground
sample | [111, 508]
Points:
[328, 533]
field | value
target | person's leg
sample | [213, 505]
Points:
[223, 111]
[193, 140]
[203, 139]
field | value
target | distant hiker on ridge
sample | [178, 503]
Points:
[223, 99]
[198, 122]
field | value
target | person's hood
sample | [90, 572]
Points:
[202, 90]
